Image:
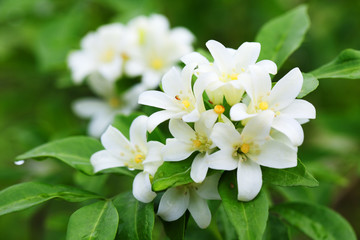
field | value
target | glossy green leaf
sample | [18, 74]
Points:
[248, 218]
[74, 151]
[310, 84]
[175, 230]
[171, 174]
[276, 229]
[98, 221]
[346, 65]
[136, 219]
[281, 36]
[25, 195]
[316, 221]
[296, 176]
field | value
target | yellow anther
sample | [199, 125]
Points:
[277, 113]
[139, 158]
[108, 55]
[157, 64]
[186, 103]
[219, 109]
[125, 57]
[114, 102]
[243, 69]
[197, 143]
[263, 105]
[245, 148]
[234, 76]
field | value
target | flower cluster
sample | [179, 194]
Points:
[145, 47]
[226, 114]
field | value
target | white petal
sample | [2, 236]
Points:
[232, 94]
[247, 54]
[138, 132]
[181, 130]
[173, 203]
[199, 210]
[193, 116]
[134, 68]
[157, 99]
[209, 188]
[290, 127]
[206, 122]
[222, 160]
[258, 127]
[111, 71]
[199, 168]
[286, 89]
[268, 66]
[182, 35]
[88, 107]
[101, 86]
[275, 154]
[81, 64]
[225, 136]
[249, 180]
[151, 78]
[99, 123]
[194, 58]
[176, 150]
[158, 117]
[238, 112]
[115, 142]
[261, 83]
[219, 53]
[300, 109]
[103, 160]
[142, 188]
[171, 81]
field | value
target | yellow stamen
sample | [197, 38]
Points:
[125, 57]
[157, 64]
[219, 109]
[277, 113]
[234, 76]
[242, 69]
[186, 103]
[108, 55]
[197, 143]
[245, 148]
[114, 102]
[139, 158]
[263, 105]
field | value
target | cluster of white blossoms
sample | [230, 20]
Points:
[225, 115]
[145, 47]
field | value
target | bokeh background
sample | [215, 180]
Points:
[36, 93]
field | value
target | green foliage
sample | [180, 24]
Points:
[98, 221]
[276, 229]
[136, 219]
[310, 84]
[281, 36]
[176, 230]
[248, 218]
[296, 176]
[74, 151]
[318, 222]
[172, 174]
[25, 195]
[346, 65]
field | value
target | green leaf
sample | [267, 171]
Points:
[310, 84]
[136, 218]
[281, 36]
[248, 218]
[96, 221]
[172, 174]
[318, 222]
[74, 151]
[276, 229]
[296, 176]
[25, 195]
[175, 230]
[346, 65]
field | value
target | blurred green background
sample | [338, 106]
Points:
[36, 92]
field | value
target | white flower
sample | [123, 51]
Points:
[103, 52]
[226, 75]
[248, 150]
[159, 48]
[177, 100]
[134, 154]
[187, 141]
[280, 100]
[177, 200]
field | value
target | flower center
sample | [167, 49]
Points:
[186, 103]
[245, 148]
[263, 105]
[125, 57]
[114, 102]
[108, 55]
[197, 143]
[139, 158]
[219, 109]
[157, 64]
[234, 76]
